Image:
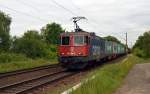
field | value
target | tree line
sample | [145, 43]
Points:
[142, 45]
[33, 43]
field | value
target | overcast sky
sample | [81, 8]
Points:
[105, 17]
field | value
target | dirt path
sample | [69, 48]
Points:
[137, 81]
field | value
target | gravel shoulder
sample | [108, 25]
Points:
[137, 81]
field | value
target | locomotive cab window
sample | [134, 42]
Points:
[65, 40]
[81, 40]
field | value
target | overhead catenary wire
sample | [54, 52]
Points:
[23, 13]
[33, 7]
[60, 5]
[118, 34]
[78, 8]
[53, 1]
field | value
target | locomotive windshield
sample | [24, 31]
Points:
[80, 40]
[65, 40]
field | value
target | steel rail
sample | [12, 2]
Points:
[17, 72]
[24, 86]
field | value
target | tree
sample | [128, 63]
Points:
[51, 32]
[112, 38]
[32, 34]
[142, 45]
[31, 45]
[5, 22]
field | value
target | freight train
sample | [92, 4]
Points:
[79, 49]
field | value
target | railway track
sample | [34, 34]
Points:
[12, 73]
[21, 81]
[24, 86]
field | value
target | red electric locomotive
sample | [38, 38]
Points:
[74, 49]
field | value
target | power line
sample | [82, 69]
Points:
[36, 9]
[63, 7]
[24, 3]
[29, 5]
[78, 8]
[126, 42]
[23, 13]
[118, 36]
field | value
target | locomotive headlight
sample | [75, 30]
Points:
[79, 53]
[72, 53]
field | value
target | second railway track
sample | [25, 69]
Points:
[19, 82]
[12, 73]
[24, 86]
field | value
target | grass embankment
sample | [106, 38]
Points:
[11, 62]
[109, 77]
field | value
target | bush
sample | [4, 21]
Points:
[51, 55]
[51, 52]
[138, 52]
[9, 57]
[53, 48]
[35, 49]
[33, 46]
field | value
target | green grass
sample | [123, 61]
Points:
[109, 77]
[12, 66]
[9, 57]
[11, 62]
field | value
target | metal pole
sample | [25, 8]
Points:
[0, 40]
[126, 42]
